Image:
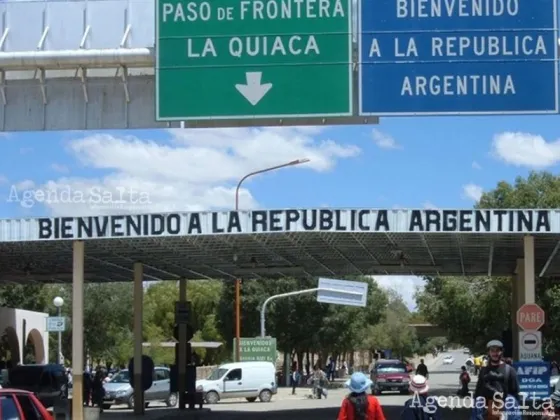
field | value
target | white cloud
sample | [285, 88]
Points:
[197, 170]
[472, 192]
[3, 179]
[383, 140]
[406, 286]
[59, 168]
[25, 185]
[476, 165]
[525, 149]
[429, 205]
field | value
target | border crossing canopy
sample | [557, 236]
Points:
[294, 220]
[277, 243]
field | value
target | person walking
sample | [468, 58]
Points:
[422, 369]
[464, 381]
[295, 377]
[318, 380]
[420, 406]
[359, 405]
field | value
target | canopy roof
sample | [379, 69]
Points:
[277, 243]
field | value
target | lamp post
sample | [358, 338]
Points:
[238, 281]
[58, 302]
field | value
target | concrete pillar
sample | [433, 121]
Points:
[138, 339]
[517, 293]
[523, 287]
[529, 269]
[182, 362]
[78, 331]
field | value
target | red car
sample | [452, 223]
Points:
[18, 404]
[390, 375]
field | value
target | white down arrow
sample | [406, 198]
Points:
[253, 90]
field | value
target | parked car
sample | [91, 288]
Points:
[118, 390]
[21, 405]
[49, 382]
[249, 380]
[390, 375]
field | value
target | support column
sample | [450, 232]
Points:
[138, 314]
[182, 362]
[529, 269]
[78, 331]
[523, 287]
[517, 293]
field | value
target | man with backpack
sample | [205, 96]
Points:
[498, 386]
[464, 381]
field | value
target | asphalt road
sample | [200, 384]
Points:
[444, 381]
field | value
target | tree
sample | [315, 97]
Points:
[482, 311]
[539, 190]
[300, 323]
[108, 318]
[393, 332]
[30, 297]
[473, 310]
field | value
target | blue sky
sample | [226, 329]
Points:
[405, 162]
[402, 162]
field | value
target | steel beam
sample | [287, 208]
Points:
[72, 59]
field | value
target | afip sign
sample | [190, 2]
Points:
[534, 378]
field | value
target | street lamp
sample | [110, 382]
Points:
[58, 302]
[238, 281]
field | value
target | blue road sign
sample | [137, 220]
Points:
[534, 379]
[453, 57]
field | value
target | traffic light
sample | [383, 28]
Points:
[190, 332]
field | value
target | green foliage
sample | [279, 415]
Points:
[299, 323]
[473, 310]
[539, 190]
[477, 309]
[393, 332]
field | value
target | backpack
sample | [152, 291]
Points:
[420, 414]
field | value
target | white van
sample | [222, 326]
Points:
[249, 380]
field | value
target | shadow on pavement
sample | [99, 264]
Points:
[392, 412]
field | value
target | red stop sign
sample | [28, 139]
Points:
[530, 317]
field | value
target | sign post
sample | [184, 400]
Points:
[530, 317]
[418, 58]
[342, 292]
[262, 349]
[240, 59]
[534, 379]
[530, 345]
[356, 299]
[56, 324]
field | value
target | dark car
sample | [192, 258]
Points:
[49, 383]
[390, 375]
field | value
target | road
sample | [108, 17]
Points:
[444, 381]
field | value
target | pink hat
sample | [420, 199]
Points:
[419, 384]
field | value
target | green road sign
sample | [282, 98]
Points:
[241, 59]
[256, 350]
